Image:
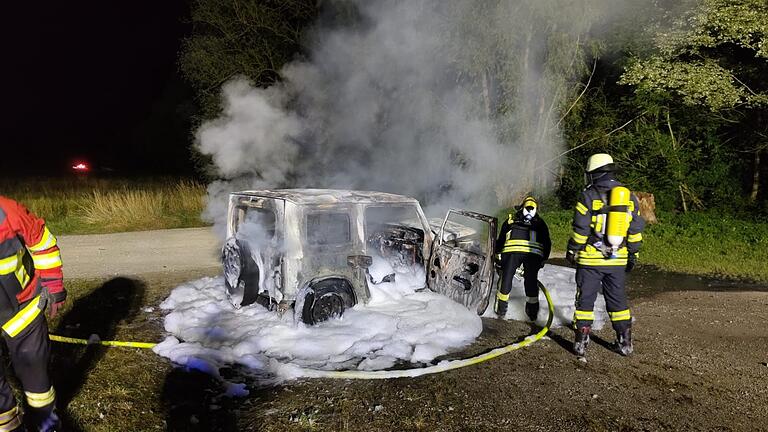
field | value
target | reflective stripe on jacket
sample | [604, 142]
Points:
[588, 225]
[28, 254]
[517, 236]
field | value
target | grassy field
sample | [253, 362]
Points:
[705, 243]
[90, 205]
[117, 389]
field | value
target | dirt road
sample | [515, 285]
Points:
[139, 253]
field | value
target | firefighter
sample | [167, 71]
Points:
[607, 235]
[523, 239]
[31, 281]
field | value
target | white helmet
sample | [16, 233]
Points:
[600, 162]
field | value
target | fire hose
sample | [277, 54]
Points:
[94, 341]
[443, 366]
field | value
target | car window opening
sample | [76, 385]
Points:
[257, 222]
[328, 228]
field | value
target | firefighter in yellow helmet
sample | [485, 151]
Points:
[523, 240]
[607, 235]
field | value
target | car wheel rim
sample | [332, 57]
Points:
[328, 306]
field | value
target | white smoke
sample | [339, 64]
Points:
[413, 97]
[253, 135]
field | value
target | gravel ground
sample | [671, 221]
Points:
[139, 253]
[700, 364]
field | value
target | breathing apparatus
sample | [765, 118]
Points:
[524, 212]
[529, 208]
[614, 218]
[618, 219]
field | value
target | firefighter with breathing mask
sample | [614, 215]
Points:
[607, 235]
[31, 281]
[523, 240]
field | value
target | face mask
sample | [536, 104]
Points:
[529, 212]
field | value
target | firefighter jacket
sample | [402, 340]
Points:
[589, 219]
[517, 235]
[30, 267]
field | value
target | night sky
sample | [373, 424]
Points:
[97, 80]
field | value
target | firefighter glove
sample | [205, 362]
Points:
[631, 261]
[570, 256]
[54, 294]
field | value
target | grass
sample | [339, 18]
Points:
[108, 389]
[119, 389]
[703, 243]
[90, 205]
[709, 243]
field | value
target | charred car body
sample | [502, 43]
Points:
[310, 249]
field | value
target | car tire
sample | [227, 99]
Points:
[327, 299]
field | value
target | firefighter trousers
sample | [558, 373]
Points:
[509, 264]
[29, 352]
[590, 281]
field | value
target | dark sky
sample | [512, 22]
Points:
[96, 80]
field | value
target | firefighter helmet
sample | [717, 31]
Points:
[600, 162]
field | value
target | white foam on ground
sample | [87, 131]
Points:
[561, 284]
[398, 324]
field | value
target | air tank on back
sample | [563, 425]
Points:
[618, 217]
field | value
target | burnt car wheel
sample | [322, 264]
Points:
[241, 273]
[327, 299]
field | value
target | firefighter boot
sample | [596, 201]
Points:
[624, 342]
[44, 419]
[51, 423]
[581, 341]
[500, 307]
[532, 310]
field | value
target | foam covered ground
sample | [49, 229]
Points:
[401, 323]
[561, 284]
[398, 324]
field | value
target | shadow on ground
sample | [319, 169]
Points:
[98, 313]
[195, 401]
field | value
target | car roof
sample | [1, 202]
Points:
[328, 196]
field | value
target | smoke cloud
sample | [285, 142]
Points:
[454, 102]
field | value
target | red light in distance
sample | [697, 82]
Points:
[80, 167]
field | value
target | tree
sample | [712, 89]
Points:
[716, 57]
[254, 38]
[525, 61]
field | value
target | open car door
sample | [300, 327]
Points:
[461, 263]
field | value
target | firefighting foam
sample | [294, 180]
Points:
[398, 325]
[561, 283]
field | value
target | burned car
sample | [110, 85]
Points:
[311, 249]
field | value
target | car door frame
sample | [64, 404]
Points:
[445, 277]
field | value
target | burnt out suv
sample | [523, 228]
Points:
[310, 249]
